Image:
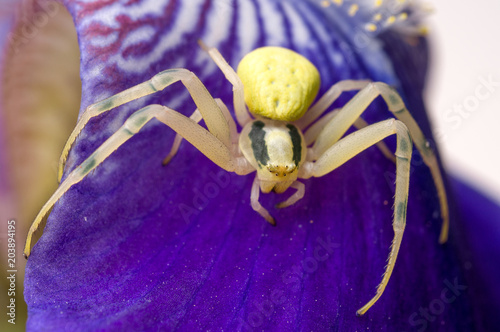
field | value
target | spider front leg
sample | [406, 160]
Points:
[214, 119]
[203, 140]
[315, 129]
[339, 124]
[256, 206]
[197, 117]
[327, 99]
[352, 145]
[298, 195]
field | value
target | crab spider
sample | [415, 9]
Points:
[272, 90]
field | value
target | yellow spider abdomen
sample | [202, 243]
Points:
[278, 83]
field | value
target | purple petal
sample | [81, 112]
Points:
[138, 246]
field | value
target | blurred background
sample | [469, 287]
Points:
[463, 91]
[39, 101]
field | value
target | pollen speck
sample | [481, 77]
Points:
[371, 27]
[353, 9]
[391, 20]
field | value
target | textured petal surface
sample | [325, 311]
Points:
[138, 246]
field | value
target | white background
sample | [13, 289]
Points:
[465, 43]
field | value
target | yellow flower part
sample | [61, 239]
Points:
[278, 83]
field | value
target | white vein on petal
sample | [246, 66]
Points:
[218, 20]
[141, 34]
[247, 17]
[104, 41]
[273, 23]
[323, 33]
[300, 32]
[182, 25]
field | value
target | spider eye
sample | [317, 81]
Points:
[279, 170]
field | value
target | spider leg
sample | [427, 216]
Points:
[313, 131]
[328, 99]
[295, 197]
[361, 123]
[352, 145]
[240, 109]
[337, 127]
[254, 201]
[203, 140]
[196, 116]
[212, 115]
[311, 134]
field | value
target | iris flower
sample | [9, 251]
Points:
[138, 246]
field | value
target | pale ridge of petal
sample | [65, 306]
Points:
[104, 41]
[300, 32]
[182, 26]
[272, 23]
[218, 24]
[247, 16]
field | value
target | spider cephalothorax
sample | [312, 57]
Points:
[276, 150]
[280, 140]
